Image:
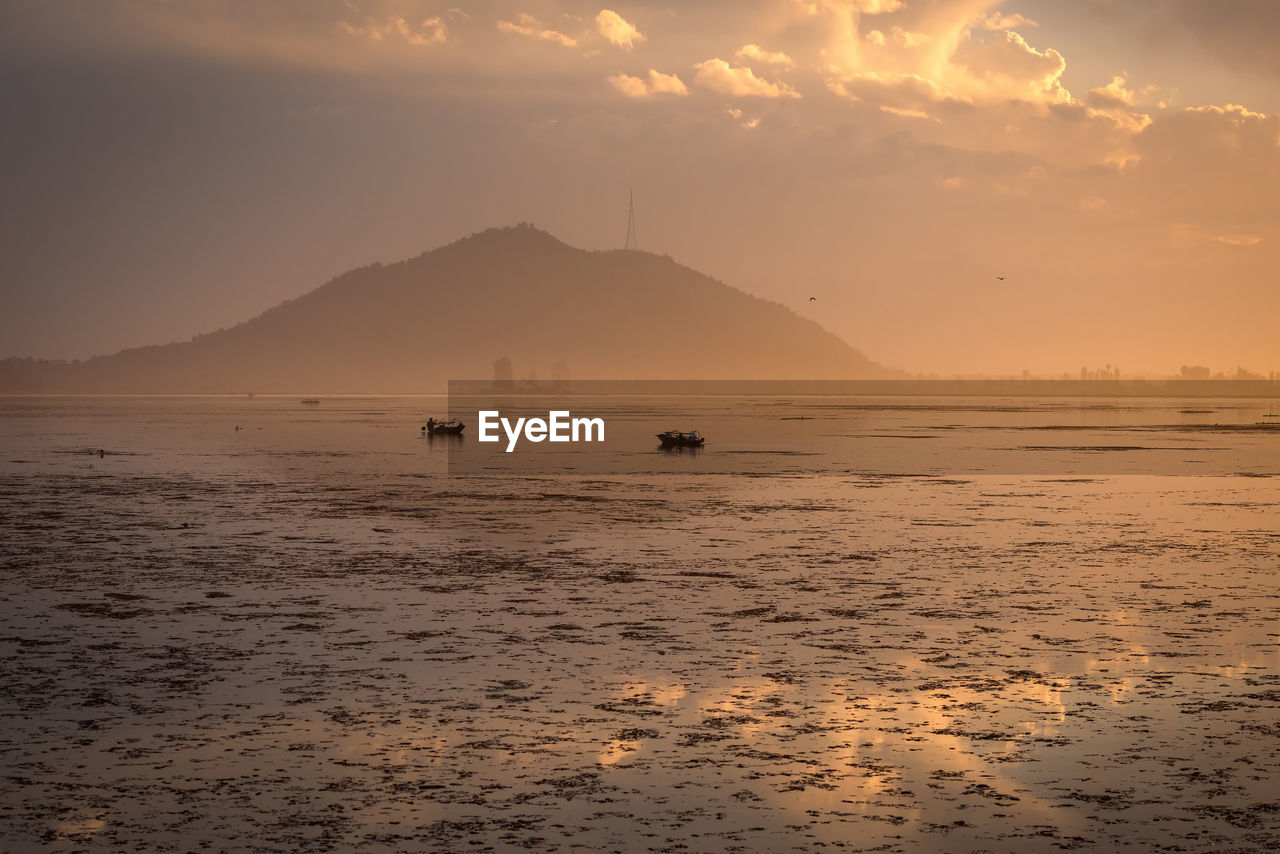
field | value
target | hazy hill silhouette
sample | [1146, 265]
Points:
[512, 292]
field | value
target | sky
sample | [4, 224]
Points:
[171, 167]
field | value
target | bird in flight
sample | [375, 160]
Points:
[812, 299]
[1001, 278]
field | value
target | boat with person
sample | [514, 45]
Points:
[448, 427]
[677, 439]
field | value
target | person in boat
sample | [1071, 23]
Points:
[431, 425]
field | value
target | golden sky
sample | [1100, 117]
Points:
[173, 167]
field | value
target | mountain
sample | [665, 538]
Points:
[553, 310]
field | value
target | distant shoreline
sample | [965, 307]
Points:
[1171, 388]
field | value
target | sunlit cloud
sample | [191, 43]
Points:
[668, 84]
[1114, 94]
[1001, 21]
[899, 94]
[716, 75]
[617, 30]
[868, 7]
[1239, 239]
[748, 122]
[430, 31]
[906, 38]
[632, 87]
[769, 57]
[656, 84]
[527, 25]
[1190, 234]
[937, 53]
[1008, 67]
[1236, 114]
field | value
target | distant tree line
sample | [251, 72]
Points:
[1200, 372]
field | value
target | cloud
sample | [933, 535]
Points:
[668, 84]
[632, 87]
[871, 7]
[967, 57]
[617, 30]
[769, 57]
[1011, 68]
[866, 7]
[1000, 21]
[1214, 167]
[1238, 239]
[717, 75]
[898, 37]
[657, 84]
[1192, 234]
[748, 123]
[983, 87]
[1229, 147]
[533, 28]
[430, 31]
[900, 94]
[1112, 95]
[905, 38]
[844, 15]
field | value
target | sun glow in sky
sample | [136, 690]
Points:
[175, 167]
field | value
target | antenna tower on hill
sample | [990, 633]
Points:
[631, 242]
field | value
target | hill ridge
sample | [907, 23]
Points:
[514, 292]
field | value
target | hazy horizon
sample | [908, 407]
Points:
[532, 363]
[173, 169]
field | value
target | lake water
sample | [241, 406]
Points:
[892, 624]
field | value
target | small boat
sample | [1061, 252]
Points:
[310, 401]
[676, 439]
[452, 427]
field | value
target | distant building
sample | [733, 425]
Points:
[502, 375]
